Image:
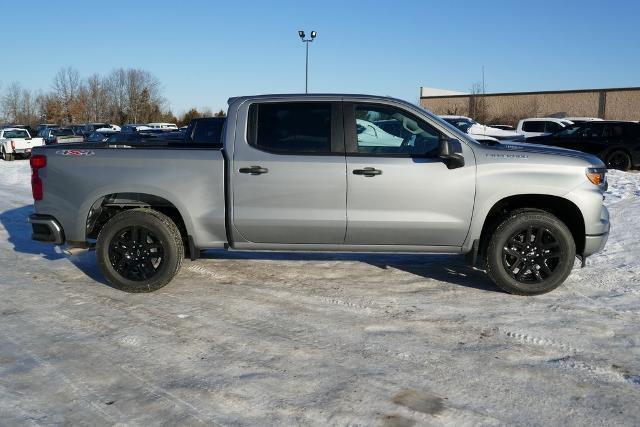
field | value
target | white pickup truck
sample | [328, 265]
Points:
[17, 142]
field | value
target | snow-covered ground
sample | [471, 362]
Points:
[316, 339]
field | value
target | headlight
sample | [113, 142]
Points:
[597, 176]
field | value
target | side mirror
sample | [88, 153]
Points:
[450, 151]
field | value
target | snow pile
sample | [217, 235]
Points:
[316, 339]
[617, 268]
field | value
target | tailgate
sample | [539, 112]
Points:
[22, 144]
[69, 139]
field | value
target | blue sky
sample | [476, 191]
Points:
[206, 51]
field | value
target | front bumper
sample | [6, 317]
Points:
[45, 228]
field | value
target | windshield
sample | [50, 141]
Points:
[462, 124]
[568, 131]
[16, 134]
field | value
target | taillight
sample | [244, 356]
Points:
[13, 145]
[55, 140]
[37, 161]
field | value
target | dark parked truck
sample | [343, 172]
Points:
[325, 173]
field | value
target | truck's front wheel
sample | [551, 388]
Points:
[7, 156]
[530, 253]
[139, 250]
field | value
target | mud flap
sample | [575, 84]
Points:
[472, 255]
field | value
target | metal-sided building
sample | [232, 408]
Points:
[612, 103]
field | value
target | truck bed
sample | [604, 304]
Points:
[79, 176]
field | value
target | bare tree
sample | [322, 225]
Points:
[19, 105]
[123, 95]
[98, 102]
[11, 102]
[66, 86]
[477, 103]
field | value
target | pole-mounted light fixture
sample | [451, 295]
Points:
[302, 36]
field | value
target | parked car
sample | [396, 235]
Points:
[477, 130]
[44, 126]
[92, 127]
[541, 126]
[61, 136]
[203, 130]
[28, 128]
[133, 127]
[171, 126]
[579, 120]
[17, 142]
[125, 138]
[617, 143]
[294, 174]
[100, 136]
[503, 127]
[77, 129]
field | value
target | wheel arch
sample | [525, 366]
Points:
[564, 209]
[106, 206]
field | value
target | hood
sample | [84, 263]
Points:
[546, 149]
[478, 129]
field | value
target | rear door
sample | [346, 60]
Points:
[288, 174]
[399, 191]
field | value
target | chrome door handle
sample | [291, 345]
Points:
[254, 170]
[367, 172]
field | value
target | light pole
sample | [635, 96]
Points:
[306, 69]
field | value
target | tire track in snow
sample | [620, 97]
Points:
[594, 371]
[525, 338]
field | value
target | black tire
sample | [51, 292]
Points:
[534, 267]
[7, 156]
[619, 160]
[139, 250]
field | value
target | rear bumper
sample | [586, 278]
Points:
[45, 228]
[593, 244]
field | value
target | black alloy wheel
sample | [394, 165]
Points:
[139, 250]
[136, 253]
[531, 255]
[530, 252]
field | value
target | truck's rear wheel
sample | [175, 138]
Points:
[530, 253]
[139, 250]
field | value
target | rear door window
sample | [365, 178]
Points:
[533, 126]
[291, 127]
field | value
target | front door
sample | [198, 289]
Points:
[399, 191]
[288, 174]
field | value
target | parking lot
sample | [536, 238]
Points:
[266, 338]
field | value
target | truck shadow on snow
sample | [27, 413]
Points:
[445, 268]
[15, 222]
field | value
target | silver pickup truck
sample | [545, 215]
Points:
[325, 173]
